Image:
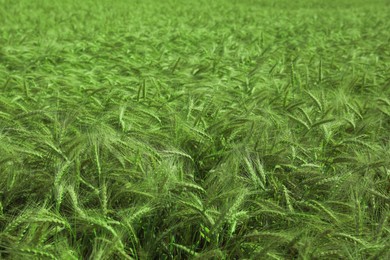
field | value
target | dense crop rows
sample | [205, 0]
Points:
[174, 130]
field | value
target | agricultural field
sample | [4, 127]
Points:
[181, 129]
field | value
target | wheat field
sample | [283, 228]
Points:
[194, 130]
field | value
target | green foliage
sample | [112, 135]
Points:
[207, 130]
